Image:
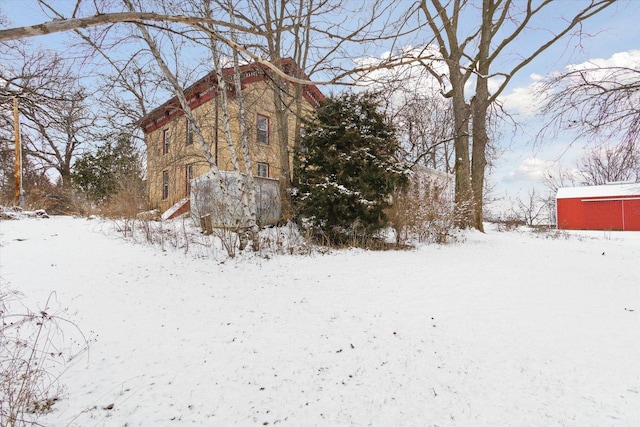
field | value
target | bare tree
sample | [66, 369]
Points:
[533, 209]
[298, 37]
[559, 176]
[34, 179]
[475, 54]
[248, 219]
[601, 165]
[56, 120]
[280, 19]
[473, 43]
[601, 103]
[101, 16]
[187, 21]
[608, 164]
[247, 185]
[60, 132]
[413, 101]
[425, 125]
[595, 101]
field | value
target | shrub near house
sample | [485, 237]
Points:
[348, 170]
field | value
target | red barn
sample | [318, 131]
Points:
[599, 207]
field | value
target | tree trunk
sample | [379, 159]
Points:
[282, 123]
[479, 160]
[479, 106]
[463, 195]
[250, 205]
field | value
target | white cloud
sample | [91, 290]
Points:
[531, 169]
[528, 99]
[534, 171]
[627, 59]
[410, 77]
[525, 100]
[620, 69]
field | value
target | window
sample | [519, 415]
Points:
[189, 133]
[303, 148]
[263, 129]
[263, 170]
[165, 185]
[165, 141]
[188, 172]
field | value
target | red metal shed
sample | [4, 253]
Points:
[599, 207]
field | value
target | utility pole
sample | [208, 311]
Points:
[18, 196]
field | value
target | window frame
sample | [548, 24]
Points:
[188, 175]
[189, 131]
[166, 134]
[265, 167]
[260, 132]
[165, 185]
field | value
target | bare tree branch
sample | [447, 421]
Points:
[68, 24]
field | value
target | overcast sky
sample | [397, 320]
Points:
[614, 39]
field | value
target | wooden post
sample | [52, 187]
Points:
[18, 199]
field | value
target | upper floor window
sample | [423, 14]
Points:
[188, 177]
[189, 133]
[165, 185]
[262, 129]
[165, 141]
[263, 170]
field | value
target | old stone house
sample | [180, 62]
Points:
[174, 156]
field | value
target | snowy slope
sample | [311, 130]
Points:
[504, 329]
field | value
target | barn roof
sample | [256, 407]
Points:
[609, 190]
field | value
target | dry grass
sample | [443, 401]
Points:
[35, 350]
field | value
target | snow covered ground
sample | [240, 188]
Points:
[505, 329]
